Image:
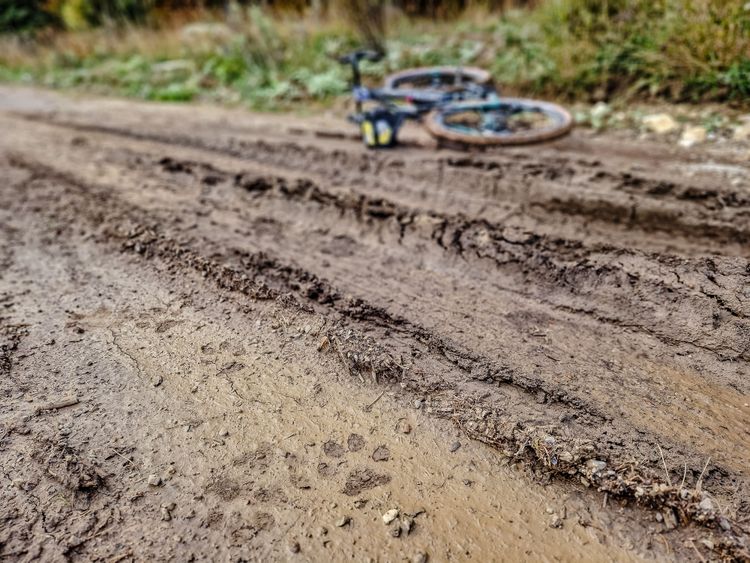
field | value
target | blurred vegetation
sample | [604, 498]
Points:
[275, 54]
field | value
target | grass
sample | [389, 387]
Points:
[586, 50]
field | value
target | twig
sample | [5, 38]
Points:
[57, 405]
[684, 474]
[661, 453]
[368, 407]
[700, 479]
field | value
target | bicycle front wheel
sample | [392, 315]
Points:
[507, 121]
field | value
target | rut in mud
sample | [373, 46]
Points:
[584, 314]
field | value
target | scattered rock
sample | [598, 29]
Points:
[420, 557]
[333, 449]
[454, 446]
[708, 543]
[343, 521]
[156, 381]
[742, 132]
[395, 532]
[594, 465]
[670, 520]
[706, 505]
[223, 433]
[381, 453]
[407, 525]
[599, 114]
[355, 442]
[390, 516]
[418, 403]
[165, 514]
[555, 521]
[360, 503]
[403, 427]
[693, 136]
[154, 480]
[294, 547]
[660, 123]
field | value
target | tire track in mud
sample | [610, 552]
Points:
[541, 260]
[134, 230]
[710, 219]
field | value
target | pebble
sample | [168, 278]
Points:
[223, 433]
[395, 532]
[555, 521]
[154, 480]
[706, 505]
[294, 547]
[660, 123]
[420, 557]
[403, 427]
[382, 453]
[343, 521]
[693, 136]
[418, 403]
[390, 516]
[165, 514]
[455, 445]
[156, 381]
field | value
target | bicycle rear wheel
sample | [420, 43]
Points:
[437, 78]
[506, 121]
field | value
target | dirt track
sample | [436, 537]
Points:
[228, 295]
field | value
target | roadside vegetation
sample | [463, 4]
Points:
[274, 57]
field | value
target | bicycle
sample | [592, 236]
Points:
[458, 104]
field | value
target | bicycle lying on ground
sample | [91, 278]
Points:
[457, 104]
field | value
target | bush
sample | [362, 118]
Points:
[17, 16]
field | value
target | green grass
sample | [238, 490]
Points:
[584, 50]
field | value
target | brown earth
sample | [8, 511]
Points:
[235, 336]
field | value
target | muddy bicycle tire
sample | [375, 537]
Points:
[562, 123]
[419, 75]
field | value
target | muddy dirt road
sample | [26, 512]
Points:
[234, 336]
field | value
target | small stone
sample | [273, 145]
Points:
[343, 521]
[382, 453]
[660, 123]
[323, 344]
[390, 516]
[360, 503]
[555, 521]
[294, 547]
[706, 505]
[599, 114]
[323, 531]
[403, 427]
[165, 514]
[742, 132]
[223, 433]
[595, 466]
[708, 543]
[169, 506]
[407, 525]
[395, 532]
[194, 389]
[693, 136]
[156, 381]
[724, 524]
[154, 480]
[420, 557]
[418, 403]
[454, 446]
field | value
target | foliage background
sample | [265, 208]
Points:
[275, 53]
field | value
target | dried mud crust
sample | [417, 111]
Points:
[593, 336]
